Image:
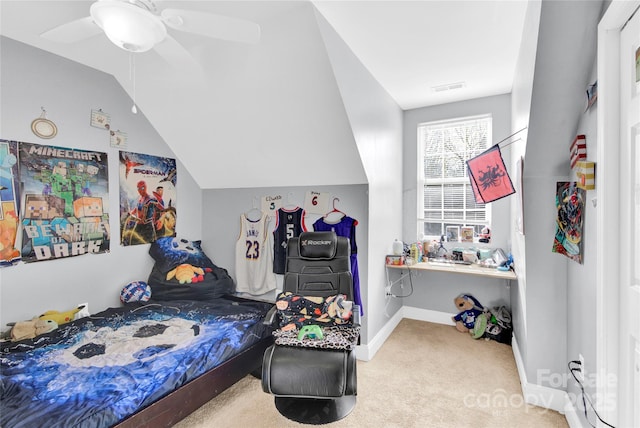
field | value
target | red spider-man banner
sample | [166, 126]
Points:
[488, 175]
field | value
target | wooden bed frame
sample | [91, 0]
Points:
[180, 403]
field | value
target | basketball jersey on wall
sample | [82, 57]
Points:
[289, 224]
[346, 227]
[254, 257]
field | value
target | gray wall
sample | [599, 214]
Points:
[436, 291]
[221, 220]
[31, 78]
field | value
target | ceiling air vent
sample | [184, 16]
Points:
[448, 87]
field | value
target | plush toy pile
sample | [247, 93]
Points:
[45, 323]
[490, 323]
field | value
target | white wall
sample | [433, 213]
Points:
[264, 107]
[376, 123]
[436, 291]
[521, 94]
[31, 78]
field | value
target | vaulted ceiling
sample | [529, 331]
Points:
[235, 112]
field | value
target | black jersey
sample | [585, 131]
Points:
[289, 224]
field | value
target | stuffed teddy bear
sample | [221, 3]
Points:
[469, 308]
[32, 328]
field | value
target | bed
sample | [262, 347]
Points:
[147, 363]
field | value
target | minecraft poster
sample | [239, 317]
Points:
[9, 211]
[147, 198]
[65, 195]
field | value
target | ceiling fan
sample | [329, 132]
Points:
[138, 26]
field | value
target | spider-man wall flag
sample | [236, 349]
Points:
[488, 175]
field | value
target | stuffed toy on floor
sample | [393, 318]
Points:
[470, 308]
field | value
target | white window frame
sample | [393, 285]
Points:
[421, 181]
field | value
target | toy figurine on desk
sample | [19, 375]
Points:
[440, 247]
[485, 235]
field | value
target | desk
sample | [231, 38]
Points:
[472, 269]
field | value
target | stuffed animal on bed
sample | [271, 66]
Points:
[469, 308]
[187, 274]
[60, 317]
[29, 329]
[179, 265]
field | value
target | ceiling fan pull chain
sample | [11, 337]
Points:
[132, 77]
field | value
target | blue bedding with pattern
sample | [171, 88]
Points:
[98, 370]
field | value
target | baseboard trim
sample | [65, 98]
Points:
[543, 396]
[571, 414]
[368, 351]
[427, 315]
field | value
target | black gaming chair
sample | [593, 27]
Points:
[310, 385]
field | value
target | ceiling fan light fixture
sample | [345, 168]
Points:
[128, 26]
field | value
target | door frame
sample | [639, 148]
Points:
[608, 201]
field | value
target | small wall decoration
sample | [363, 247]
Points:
[316, 202]
[43, 127]
[638, 66]
[66, 202]
[585, 172]
[100, 119]
[592, 94]
[118, 139]
[9, 197]
[270, 204]
[147, 198]
[569, 223]
[578, 150]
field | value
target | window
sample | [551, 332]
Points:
[445, 196]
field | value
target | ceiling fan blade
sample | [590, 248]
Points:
[178, 57]
[211, 25]
[73, 31]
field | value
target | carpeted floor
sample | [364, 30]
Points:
[425, 375]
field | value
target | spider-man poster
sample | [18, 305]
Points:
[488, 176]
[570, 207]
[147, 198]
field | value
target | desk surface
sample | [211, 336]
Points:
[472, 269]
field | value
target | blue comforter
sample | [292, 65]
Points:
[98, 370]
